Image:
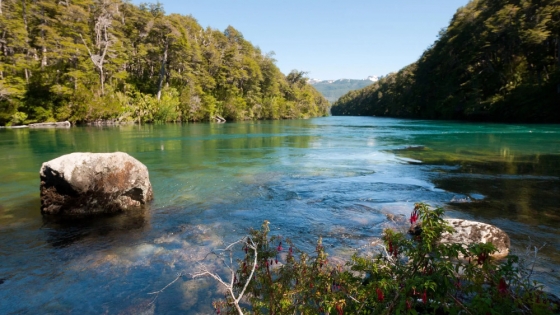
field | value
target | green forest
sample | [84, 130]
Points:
[88, 60]
[498, 60]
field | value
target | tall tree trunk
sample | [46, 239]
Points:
[162, 70]
[24, 14]
[44, 59]
[4, 48]
[102, 79]
[98, 60]
[43, 48]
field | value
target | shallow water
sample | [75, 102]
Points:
[335, 177]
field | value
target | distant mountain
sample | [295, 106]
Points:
[333, 89]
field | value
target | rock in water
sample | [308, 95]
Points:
[90, 183]
[469, 232]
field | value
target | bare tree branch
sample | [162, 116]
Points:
[179, 275]
[229, 286]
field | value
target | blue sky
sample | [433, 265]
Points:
[330, 39]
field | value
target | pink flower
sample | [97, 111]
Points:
[279, 248]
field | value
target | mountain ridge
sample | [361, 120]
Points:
[332, 90]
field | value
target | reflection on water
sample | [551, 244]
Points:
[502, 174]
[343, 178]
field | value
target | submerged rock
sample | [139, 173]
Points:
[471, 232]
[90, 183]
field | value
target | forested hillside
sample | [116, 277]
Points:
[82, 60]
[498, 60]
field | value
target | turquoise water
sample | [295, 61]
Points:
[335, 177]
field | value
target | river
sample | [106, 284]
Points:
[335, 177]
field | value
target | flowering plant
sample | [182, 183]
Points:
[409, 275]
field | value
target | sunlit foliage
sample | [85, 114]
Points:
[84, 60]
[497, 60]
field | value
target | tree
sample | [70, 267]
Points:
[103, 39]
[497, 60]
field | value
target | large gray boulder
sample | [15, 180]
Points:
[468, 232]
[90, 183]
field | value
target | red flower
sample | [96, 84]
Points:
[408, 305]
[424, 297]
[380, 296]
[481, 258]
[414, 216]
[502, 286]
[458, 284]
[279, 248]
[339, 309]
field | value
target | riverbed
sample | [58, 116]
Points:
[341, 178]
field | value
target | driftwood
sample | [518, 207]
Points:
[14, 127]
[219, 119]
[62, 124]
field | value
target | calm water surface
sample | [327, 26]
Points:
[336, 177]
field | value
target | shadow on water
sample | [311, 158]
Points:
[64, 231]
[533, 201]
[523, 188]
[484, 162]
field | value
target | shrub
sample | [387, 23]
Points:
[408, 275]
